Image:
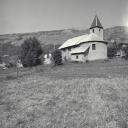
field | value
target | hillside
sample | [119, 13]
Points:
[45, 37]
[118, 33]
[58, 37]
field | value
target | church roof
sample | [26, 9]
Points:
[81, 49]
[96, 23]
[80, 39]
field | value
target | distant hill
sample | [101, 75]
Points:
[58, 37]
[45, 37]
[118, 33]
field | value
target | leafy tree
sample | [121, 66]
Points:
[126, 52]
[30, 52]
[57, 57]
[112, 50]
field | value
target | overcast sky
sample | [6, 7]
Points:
[19, 16]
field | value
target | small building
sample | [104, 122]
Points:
[47, 58]
[87, 47]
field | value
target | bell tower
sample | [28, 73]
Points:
[96, 27]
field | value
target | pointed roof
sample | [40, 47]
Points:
[96, 23]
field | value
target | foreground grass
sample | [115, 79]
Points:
[36, 101]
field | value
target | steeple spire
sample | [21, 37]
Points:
[96, 23]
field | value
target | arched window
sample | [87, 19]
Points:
[99, 29]
[93, 30]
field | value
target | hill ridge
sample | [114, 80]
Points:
[117, 33]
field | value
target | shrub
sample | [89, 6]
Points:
[30, 52]
[57, 57]
[125, 49]
[111, 51]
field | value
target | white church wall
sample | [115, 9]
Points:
[78, 57]
[81, 57]
[66, 54]
[99, 53]
[97, 31]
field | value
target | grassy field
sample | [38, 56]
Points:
[92, 95]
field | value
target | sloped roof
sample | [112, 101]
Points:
[96, 23]
[72, 41]
[80, 39]
[80, 49]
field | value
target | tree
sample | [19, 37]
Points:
[57, 57]
[125, 49]
[112, 50]
[30, 52]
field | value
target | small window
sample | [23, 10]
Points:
[93, 46]
[93, 30]
[99, 29]
[76, 57]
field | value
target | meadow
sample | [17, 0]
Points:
[91, 95]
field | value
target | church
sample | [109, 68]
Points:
[88, 47]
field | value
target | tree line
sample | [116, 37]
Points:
[31, 51]
[114, 47]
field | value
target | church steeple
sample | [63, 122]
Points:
[96, 23]
[96, 27]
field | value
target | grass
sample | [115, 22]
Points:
[69, 96]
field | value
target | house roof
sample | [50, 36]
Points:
[80, 39]
[96, 23]
[80, 50]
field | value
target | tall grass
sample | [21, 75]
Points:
[41, 102]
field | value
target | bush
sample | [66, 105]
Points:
[111, 51]
[57, 57]
[126, 52]
[30, 52]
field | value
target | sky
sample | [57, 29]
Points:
[20, 16]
